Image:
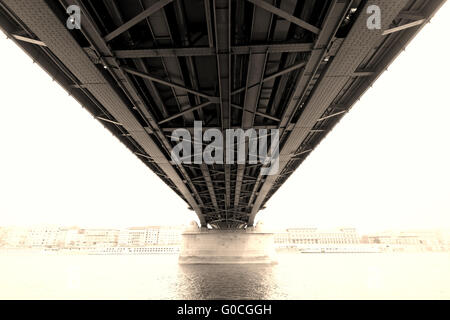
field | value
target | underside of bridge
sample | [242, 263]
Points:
[144, 68]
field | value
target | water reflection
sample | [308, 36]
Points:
[296, 276]
[226, 282]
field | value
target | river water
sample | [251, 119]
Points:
[296, 276]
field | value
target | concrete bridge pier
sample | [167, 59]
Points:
[206, 246]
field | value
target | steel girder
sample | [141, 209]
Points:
[147, 67]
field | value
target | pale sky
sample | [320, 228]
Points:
[386, 165]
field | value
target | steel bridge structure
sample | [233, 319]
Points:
[144, 68]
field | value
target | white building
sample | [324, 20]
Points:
[98, 237]
[169, 235]
[70, 237]
[318, 236]
[417, 240]
[148, 236]
[14, 237]
[281, 239]
[43, 236]
[132, 237]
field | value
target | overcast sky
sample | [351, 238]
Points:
[386, 165]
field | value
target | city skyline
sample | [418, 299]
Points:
[168, 239]
[181, 226]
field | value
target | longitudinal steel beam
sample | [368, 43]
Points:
[348, 58]
[209, 185]
[90, 32]
[257, 62]
[174, 71]
[411, 15]
[146, 13]
[209, 29]
[48, 27]
[222, 18]
[141, 66]
[303, 24]
[279, 88]
[181, 98]
[330, 25]
[279, 95]
[203, 167]
[161, 32]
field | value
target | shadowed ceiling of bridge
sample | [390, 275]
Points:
[147, 67]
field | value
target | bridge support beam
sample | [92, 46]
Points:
[227, 247]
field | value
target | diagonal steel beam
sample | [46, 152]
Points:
[115, 13]
[179, 114]
[281, 34]
[168, 83]
[47, 26]
[110, 121]
[284, 71]
[91, 32]
[268, 116]
[194, 81]
[29, 40]
[146, 13]
[273, 76]
[335, 15]
[403, 27]
[349, 56]
[332, 115]
[285, 15]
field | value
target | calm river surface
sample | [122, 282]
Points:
[297, 276]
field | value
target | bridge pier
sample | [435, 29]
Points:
[227, 247]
